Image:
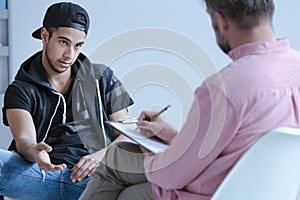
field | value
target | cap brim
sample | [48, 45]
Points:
[37, 33]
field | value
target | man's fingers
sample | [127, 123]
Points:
[51, 167]
[59, 167]
[143, 116]
[144, 124]
[85, 167]
[44, 146]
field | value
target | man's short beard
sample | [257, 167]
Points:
[52, 66]
[222, 42]
[225, 47]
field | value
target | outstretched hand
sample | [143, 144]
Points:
[42, 158]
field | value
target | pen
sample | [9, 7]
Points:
[153, 117]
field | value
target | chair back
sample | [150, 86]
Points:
[269, 170]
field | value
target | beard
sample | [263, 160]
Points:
[52, 66]
[224, 46]
[222, 42]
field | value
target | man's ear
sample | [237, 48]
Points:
[44, 34]
[221, 21]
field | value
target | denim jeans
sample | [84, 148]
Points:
[20, 179]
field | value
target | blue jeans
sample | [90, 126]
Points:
[20, 179]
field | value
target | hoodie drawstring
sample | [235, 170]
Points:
[101, 112]
[64, 117]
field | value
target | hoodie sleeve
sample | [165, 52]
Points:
[15, 98]
[115, 94]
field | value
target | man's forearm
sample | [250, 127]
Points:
[25, 148]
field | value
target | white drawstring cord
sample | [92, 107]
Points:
[56, 108]
[64, 117]
[44, 175]
[101, 113]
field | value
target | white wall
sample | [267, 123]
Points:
[158, 42]
[5, 136]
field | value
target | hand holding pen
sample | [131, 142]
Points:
[151, 124]
[153, 116]
[149, 116]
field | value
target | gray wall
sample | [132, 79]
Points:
[165, 45]
[5, 135]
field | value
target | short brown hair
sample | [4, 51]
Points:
[246, 14]
[51, 31]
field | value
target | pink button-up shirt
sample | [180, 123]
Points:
[258, 91]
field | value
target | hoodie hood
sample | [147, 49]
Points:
[31, 71]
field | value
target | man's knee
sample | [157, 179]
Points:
[137, 192]
[128, 146]
[124, 156]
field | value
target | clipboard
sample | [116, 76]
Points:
[130, 130]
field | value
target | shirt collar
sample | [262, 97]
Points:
[257, 48]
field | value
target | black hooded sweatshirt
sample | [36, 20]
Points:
[71, 123]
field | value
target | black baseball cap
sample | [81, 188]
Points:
[65, 14]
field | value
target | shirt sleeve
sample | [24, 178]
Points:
[210, 126]
[116, 96]
[15, 98]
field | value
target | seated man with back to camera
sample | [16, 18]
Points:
[258, 91]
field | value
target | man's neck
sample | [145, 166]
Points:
[262, 33]
[61, 82]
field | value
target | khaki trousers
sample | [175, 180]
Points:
[120, 176]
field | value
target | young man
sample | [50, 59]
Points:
[55, 109]
[258, 91]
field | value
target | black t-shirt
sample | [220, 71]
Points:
[63, 137]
